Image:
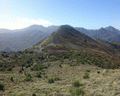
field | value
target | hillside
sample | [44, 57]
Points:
[20, 40]
[65, 63]
[67, 38]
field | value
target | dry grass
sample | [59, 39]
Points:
[104, 84]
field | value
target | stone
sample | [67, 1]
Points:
[105, 71]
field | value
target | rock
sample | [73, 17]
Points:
[105, 71]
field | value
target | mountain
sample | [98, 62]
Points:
[5, 31]
[21, 39]
[7, 49]
[106, 34]
[67, 38]
[48, 29]
[85, 31]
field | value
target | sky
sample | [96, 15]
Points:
[90, 14]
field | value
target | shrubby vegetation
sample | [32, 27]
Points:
[12, 79]
[86, 75]
[33, 94]
[1, 86]
[51, 80]
[76, 83]
[28, 77]
[34, 61]
[38, 74]
[80, 91]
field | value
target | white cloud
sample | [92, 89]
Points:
[23, 22]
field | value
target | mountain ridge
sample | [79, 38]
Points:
[66, 37]
[10, 37]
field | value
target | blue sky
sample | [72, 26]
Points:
[90, 14]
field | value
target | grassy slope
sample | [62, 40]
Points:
[72, 69]
[105, 84]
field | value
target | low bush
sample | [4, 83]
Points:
[76, 83]
[80, 91]
[12, 79]
[51, 80]
[98, 72]
[20, 71]
[9, 68]
[27, 78]
[33, 94]
[2, 69]
[86, 76]
[57, 78]
[60, 65]
[1, 86]
[38, 74]
[87, 70]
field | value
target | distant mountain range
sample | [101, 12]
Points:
[20, 39]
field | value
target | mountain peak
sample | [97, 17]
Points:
[110, 28]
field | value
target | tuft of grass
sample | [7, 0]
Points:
[9, 68]
[57, 78]
[60, 65]
[51, 80]
[80, 91]
[76, 83]
[87, 70]
[86, 76]
[38, 74]
[27, 78]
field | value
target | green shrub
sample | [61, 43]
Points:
[80, 91]
[76, 84]
[9, 68]
[86, 76]
[2, 69]
[45, 76]
[87, 70]
[12, 79]
[33, 94]
[57, 78]
[20, 71]
[60, 65]
[38, 74]
[32, 68]
[1, 86]
[98, 72]
[51, 80]
[27, 78]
